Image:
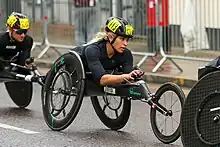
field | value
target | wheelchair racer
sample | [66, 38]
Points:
[108, 51]
[15, 42]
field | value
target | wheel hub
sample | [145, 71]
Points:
[170, 113]
[216, 118]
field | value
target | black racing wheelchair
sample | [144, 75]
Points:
[76, 82]
[19, 80]
[200, 118]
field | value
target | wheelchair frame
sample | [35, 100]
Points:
[128, 91]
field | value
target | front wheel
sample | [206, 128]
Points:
[167, 128]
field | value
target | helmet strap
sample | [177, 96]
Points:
[111, 42]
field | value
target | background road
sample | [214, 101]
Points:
[26, 127]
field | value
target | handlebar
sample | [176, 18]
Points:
[138, 77]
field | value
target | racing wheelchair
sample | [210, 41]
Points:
[76, 83]
[200, 118]
[19, 80]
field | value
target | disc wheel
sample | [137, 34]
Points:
[207, 119]
[190, 116]
[20, 92]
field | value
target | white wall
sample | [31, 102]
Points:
[208, 10]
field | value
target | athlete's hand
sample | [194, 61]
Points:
[29, 65]
[134, 74]
[29, 62]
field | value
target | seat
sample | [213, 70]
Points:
[91, 88]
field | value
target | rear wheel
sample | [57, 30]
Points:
[113, 111]
[69, 93]
[20, 92]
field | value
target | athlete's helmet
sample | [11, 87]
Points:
[119, 26]
[18, 21]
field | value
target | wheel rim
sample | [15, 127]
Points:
[67, 91]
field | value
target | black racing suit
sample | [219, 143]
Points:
[9, 48]
[98, 62]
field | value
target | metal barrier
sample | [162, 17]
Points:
[193, 7]
[54, 24]
[33, 10]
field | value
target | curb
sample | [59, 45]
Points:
[148, 77]
[161, 79]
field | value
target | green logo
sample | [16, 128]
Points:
[132, 92]
[61, 61]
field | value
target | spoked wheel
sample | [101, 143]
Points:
[207, 119]
[63, 92]
[113, 111]
[167, 128]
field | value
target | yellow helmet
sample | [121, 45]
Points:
[18, 21]
[119, 26]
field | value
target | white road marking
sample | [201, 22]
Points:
[17, 129]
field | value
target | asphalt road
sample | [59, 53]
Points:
[26, 127]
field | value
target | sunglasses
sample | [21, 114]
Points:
[21, 31]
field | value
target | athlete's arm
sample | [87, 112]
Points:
[92, 55]
[127, 65]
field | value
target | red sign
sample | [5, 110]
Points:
[152, 14]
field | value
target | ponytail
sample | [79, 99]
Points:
[98, 37]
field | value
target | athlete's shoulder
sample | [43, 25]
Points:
[29, 38]
[127, 52]
[4, 36]
[96, 46]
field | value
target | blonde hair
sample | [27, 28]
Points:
[98, 37]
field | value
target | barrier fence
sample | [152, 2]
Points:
[170, 28]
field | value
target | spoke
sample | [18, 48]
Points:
[165, 100]
[166, 125]
[173, 104]
[174, 120]
[73, 71]
[176, 111]
[105, 106]
[64, 112]
[171, 100]
[105, 99]
[116, 113]
[116, 99]
[164, 121]
[172, 124]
